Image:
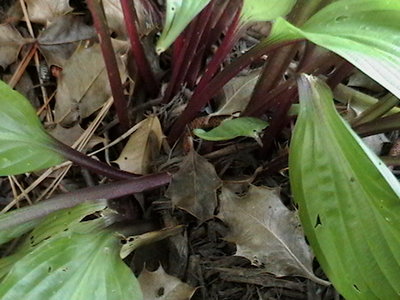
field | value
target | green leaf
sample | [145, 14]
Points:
[48, 226]
[366, 33]
[348, 200]
[178, 15]
[24, 145]
[233, 128]
[265, 10]
[80, 263]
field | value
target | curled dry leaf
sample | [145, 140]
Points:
[61, 38]
[236, 94]
[83, 85]
[193, 187]
[43, 11]
[158, 285]
[10, 44]
[69, 135]
[142, 148]
[266, 232]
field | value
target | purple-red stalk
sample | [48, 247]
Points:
[179, 59]
[120, 103]
[152, 86]
[231, 37]
[91, 164]
[192, 50]
[105, 191]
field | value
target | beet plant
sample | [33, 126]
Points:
[346, 196]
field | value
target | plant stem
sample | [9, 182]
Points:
[150, 82]
[230, 39]
[68, 200]
[200, 99]
[99, 21]
[91, 164]
[201, 23]
[179, 57]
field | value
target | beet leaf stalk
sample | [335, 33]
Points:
[150, 82]
[68, 200]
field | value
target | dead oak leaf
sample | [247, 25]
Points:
[147, 18]
[11, 42]
[142, 148]
[43, 11]
[193, 187]
[159, 285]
[61, 38]
[266, 232]
[83, 85]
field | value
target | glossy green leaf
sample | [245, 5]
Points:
[178, 15]
[348, 200]
[366, 33]
[233, 128]
[24, 145]
[265, 10]
[80, 262]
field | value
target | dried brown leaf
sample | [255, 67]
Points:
[158, 285]
[69, 135]
[43, 11]
[83, 85]
[61, 38]
[10, 44]
[142, 148]
[193, 187]
[115, 19]
[237, 93]
[266, 232]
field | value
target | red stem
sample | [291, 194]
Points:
[201, 98]
[230, 39]
[110, 60]
[179, 58]
[150, 82]
[192, 51]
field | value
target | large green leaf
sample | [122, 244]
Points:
[366, 33]
[24, 145]
[265, 10]
[178, 15]
[348, 200]
[80, 262]
[49, 226]
[61, 218]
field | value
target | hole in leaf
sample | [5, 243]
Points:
[123, 241]
[49, 269]
[160, 292]
[341, 18]
[317, 222]
[356, 288]
[131, 239]
[352, 179]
